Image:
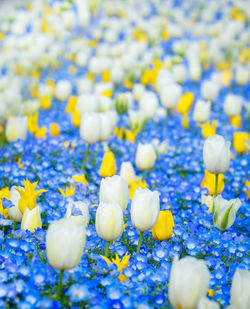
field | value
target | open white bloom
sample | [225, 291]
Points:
[145, 156]
[170, 95]
[216, 154]
[65, 241]
[148, 103]
[16, 128]
[90, 128]
[240, 296]
[145, 209]
[114, 190]
[62, 90]
[127, 172]
[225, 212]
[14, 212]
[78, 212]
[233, 105]
[189, 279]
[205, 303]
[109, 221]
[202, 111]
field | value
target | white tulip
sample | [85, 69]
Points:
[138, 90]
[136, 119]
[114, 190]
[117, 74]
[31, 219]
[205, 303]
[109, 221]
[216, 154]
[78, 212]
[145, 209]
[90, 128]
[82, 58]
[242, 75]
[113, 117]
[87, 103]
[189, 279]
[145, 156]
[225, 212]
[209, 90]
[127, 172]
[106, 127]
[202, 111]
[179, 72]
[84, 85]
[14, 212]
[148, 103]
[233, 105]
[170, 95]
[16, 128]
[195, 71]
[62, 90]
[65, 241]
[240, 297]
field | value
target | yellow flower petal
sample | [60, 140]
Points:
[108, 166]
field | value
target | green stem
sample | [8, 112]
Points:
[216, 184]
[15, 226]
[97, 149]
[139, 242]
[107, 249]
[143, 175]
[59, 286]
[85, 158]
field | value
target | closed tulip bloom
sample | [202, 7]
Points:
[240, 297]
[179, 72]
[225, 212]
[189, 279]
[202, 111]
[210, 90]
[240, 141]
[205, 303]
[145, 209]
[78, 212]
[170, 95]
[195, 71]
[106, 127]
[242, 75]
[16, 128]
[114, 190]
[233, 105]
[65, 241]
[87, 103]
[14, 212]
[148, 103]
[31, 219]
[90, 128]
[109, 221]
[62, 90]
[163, 228]
[216, 154]
[145, 156]
[127, 172]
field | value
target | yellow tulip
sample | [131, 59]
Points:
[208, 130]
[239, 141]
[163, 228]
[209, 183]
[185, 103]
[236, 121]
[54, 129]
[31, 219]
[108, 167]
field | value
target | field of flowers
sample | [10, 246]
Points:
[124, 154]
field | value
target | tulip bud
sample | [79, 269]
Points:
[31, 219]
[145, 209]
[65, 242]
[109, 221]
[121, 104]
[240, 297]
[127, 172]
[90, 128]
[14, 212]
[145, 156]
[114, 190]
[233, 105]
[163, 228]
[205, 303]
[189, 279]
[62, 90]
[216, 154]
[16, 128]
[148, 103]
[78, 212]
[170, 95]
[225, 212]
[136, 120]
[202, 111]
